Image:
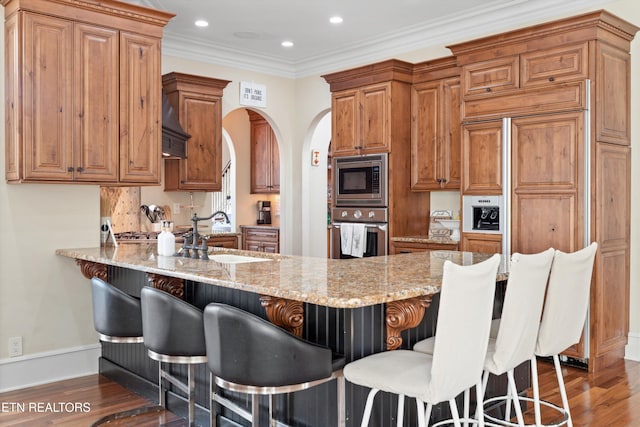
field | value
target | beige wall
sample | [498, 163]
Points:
[45, 299]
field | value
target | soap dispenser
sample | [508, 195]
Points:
[166, 240]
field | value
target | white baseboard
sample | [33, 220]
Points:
[41, 368]
[632, 350]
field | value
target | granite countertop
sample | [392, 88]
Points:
[339, 283]
[424, 239]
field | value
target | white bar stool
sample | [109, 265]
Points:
[460, 347]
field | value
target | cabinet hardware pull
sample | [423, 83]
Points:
[488, 89]
[80, 169]
[70, 169]
[551, 79]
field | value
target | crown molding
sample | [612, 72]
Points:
[465, 26]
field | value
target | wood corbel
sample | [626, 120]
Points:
[171, 285]
[403, 315]
[287, 314]
[92, 269]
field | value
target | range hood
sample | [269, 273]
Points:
[174, 138]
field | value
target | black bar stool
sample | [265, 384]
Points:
[250, 355]
[117, 317]
[173, 333]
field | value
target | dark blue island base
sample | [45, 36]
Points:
[353, 332]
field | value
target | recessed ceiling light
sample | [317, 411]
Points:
[287, 43]
[335, 20]
[201, 23]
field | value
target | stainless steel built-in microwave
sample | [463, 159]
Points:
[360, 180]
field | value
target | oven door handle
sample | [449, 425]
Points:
[382, 227]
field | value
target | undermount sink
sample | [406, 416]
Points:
[235, 259]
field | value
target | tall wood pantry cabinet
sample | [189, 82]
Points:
[197, 101]
[82, 92]
[265, 156]
[554, 100]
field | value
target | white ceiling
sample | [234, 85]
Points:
[247, 34]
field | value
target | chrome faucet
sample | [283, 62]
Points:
[187, 248]
[226, 217]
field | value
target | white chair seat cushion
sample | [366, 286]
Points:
[425, 346]
[399, 371]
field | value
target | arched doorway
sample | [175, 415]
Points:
[314, 184]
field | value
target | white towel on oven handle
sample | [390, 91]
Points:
[359, 237]
[346, 238]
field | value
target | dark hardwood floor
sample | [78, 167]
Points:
[609, 399]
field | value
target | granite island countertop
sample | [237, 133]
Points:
[338, 283]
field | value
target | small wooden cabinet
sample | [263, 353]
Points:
[265, 157]
[479, 242]
[360, 120]
[223, 241]
[482, 158]
[261, 239]
[402, 247]
[198, 103]
[83, 92]
[435, 126]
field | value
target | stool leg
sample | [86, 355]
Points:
[368, 407]
[422, 416]
[480, 404]
[340, 386]
[467, 403]
[212, 403]
[563, 391]
[255, 411]
[272, 422]
[161, 395]
[191, 384]
[516, 401]
[536, 390]
[400, 416]
[454, 412]
[427, 414]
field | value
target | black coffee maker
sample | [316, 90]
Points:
[264, 212]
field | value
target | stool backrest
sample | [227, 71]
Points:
[462, 331]
[115, 313]
[522, 309]
[246, 349]
[171, 326]
[565, 308]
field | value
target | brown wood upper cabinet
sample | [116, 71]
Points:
[530, 69]
[360, 120]
[265, 156]
[83, 93]
[197, 101]
[365, 104]
[435, 126]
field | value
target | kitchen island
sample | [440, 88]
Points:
[357, 307]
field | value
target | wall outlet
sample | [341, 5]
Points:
[15, 346]
[176, 208]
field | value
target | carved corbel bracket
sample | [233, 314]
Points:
[403, 315]
[171, 285]
[92, 269]
[287, 314]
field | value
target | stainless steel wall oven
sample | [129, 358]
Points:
[375, 222]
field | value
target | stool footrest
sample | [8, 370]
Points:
[507, 423]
